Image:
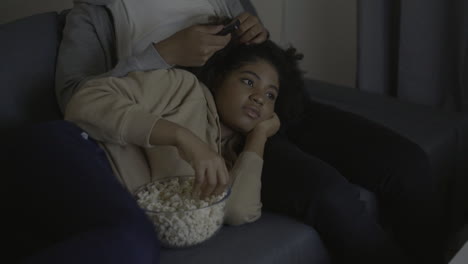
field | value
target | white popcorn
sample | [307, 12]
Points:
[181, 220]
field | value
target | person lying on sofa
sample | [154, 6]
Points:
[114, 37]
[164, 123]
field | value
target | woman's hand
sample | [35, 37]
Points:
[192, 46]
[256, 139]
[251, 30]
[211, 174]
[268, 127]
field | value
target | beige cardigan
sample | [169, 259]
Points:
[121, 112]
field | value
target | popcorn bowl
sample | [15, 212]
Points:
[180, 220]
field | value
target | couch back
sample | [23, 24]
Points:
[28, 51]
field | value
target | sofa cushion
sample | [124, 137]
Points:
[28, 50]
[273, 239]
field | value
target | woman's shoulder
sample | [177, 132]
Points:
[181, 72]
[184, 77]
[174, 79]
[171, 74]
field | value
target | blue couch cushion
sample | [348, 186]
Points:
[273, 239]
[28, 49]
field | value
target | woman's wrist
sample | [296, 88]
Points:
[255, 142]
[258, 134]
[182, 137]
[164, 51]
[165, 132]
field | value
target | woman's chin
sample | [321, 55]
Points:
[244, 130]
[243, 127]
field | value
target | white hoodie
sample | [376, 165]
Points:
[139, 23]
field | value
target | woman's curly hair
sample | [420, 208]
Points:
[291, 98]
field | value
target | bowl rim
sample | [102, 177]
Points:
[228, 193]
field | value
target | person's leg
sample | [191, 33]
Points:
[299, 185]
[66, 206]
[395, 169]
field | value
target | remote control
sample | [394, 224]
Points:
[229, 28]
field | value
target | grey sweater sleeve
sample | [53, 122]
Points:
[87, 51]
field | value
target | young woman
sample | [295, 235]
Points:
[163, 123]
[143, 126]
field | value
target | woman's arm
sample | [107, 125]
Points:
[124, 110]
[131, 110]
[244, 204]
[88, 51]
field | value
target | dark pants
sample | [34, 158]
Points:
[397, 171]
[64, 205]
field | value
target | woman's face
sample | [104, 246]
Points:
[247, 96]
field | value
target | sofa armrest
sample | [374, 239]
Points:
[442, 135]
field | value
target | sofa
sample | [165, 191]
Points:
[28, 49]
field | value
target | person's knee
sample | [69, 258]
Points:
[414, 163]
[410, 193]
[410, 178]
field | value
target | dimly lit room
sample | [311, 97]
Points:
[234, 131]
